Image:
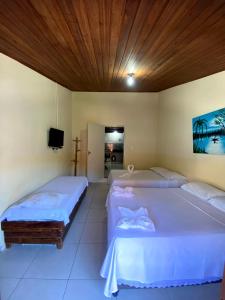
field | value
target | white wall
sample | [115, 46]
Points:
[136, 112]
[177, 107]
[29, 105]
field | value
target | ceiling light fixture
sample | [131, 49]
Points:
[130, 79]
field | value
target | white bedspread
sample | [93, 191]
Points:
[141, 178]
[187, 247]
[70, 186]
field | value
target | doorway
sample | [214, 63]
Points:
[114, 149]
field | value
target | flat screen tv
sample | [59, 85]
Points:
[56, 138]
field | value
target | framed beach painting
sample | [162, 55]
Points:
[209, 133]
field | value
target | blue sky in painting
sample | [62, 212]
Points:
[210, 118]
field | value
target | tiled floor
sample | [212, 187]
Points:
[46, 273]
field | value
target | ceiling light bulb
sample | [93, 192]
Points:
[130, 79]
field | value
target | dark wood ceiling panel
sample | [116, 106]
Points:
[91, 45]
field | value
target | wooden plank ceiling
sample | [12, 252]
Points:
[91, 45]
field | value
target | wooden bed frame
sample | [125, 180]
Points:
[38, 232]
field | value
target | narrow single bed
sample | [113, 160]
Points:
[187, 246]
[155, 177]
[44, 216]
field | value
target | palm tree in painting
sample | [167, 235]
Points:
[200, 127]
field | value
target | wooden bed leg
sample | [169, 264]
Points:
[59, 245]
[8, 245]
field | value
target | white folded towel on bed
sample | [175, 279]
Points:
[135, 219]
[126, 192]
[122, 189]
[125, 175]
[43, 200]
[128, 174]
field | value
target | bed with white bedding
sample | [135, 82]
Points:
[44, 215]
[187, 246]
[143, 178]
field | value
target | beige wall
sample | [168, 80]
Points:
[137, 112]
[177, 107]
[30, 104]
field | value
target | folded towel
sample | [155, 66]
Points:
[124, 195]
[130, 168]
[43, 200]
[125, 175]
[126, 192]
[122, 190]
[135, 219]
[129, 174]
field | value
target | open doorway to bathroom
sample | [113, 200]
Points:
[114, 148]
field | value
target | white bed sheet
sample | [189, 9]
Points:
[141, 178]
[70, 185]
[188, 246]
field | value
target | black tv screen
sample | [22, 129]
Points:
[56, 138]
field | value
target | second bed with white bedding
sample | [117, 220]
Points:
[142, 178]
[187, 246]
[70, 187]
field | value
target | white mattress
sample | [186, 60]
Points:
[141, 178]
[70, 185]
[188, 246]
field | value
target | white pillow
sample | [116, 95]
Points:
[176, 176]
[162, 171]
[218, 202]
[159, 170]
[202, 190]
[167, 173]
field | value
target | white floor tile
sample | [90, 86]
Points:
[101, 189]
[144, 294]
[91, 187]
[74, 233]
[90, 192]
[52, 263]
[88, 261]
[198, 292]
[98, 203]
[85, 204]
[82, 213]
[94, 232]
[212, 291]
[96, 215]
[7, 286]
[99, 196]
[15, 261]
[39, 289]
[85, 290]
